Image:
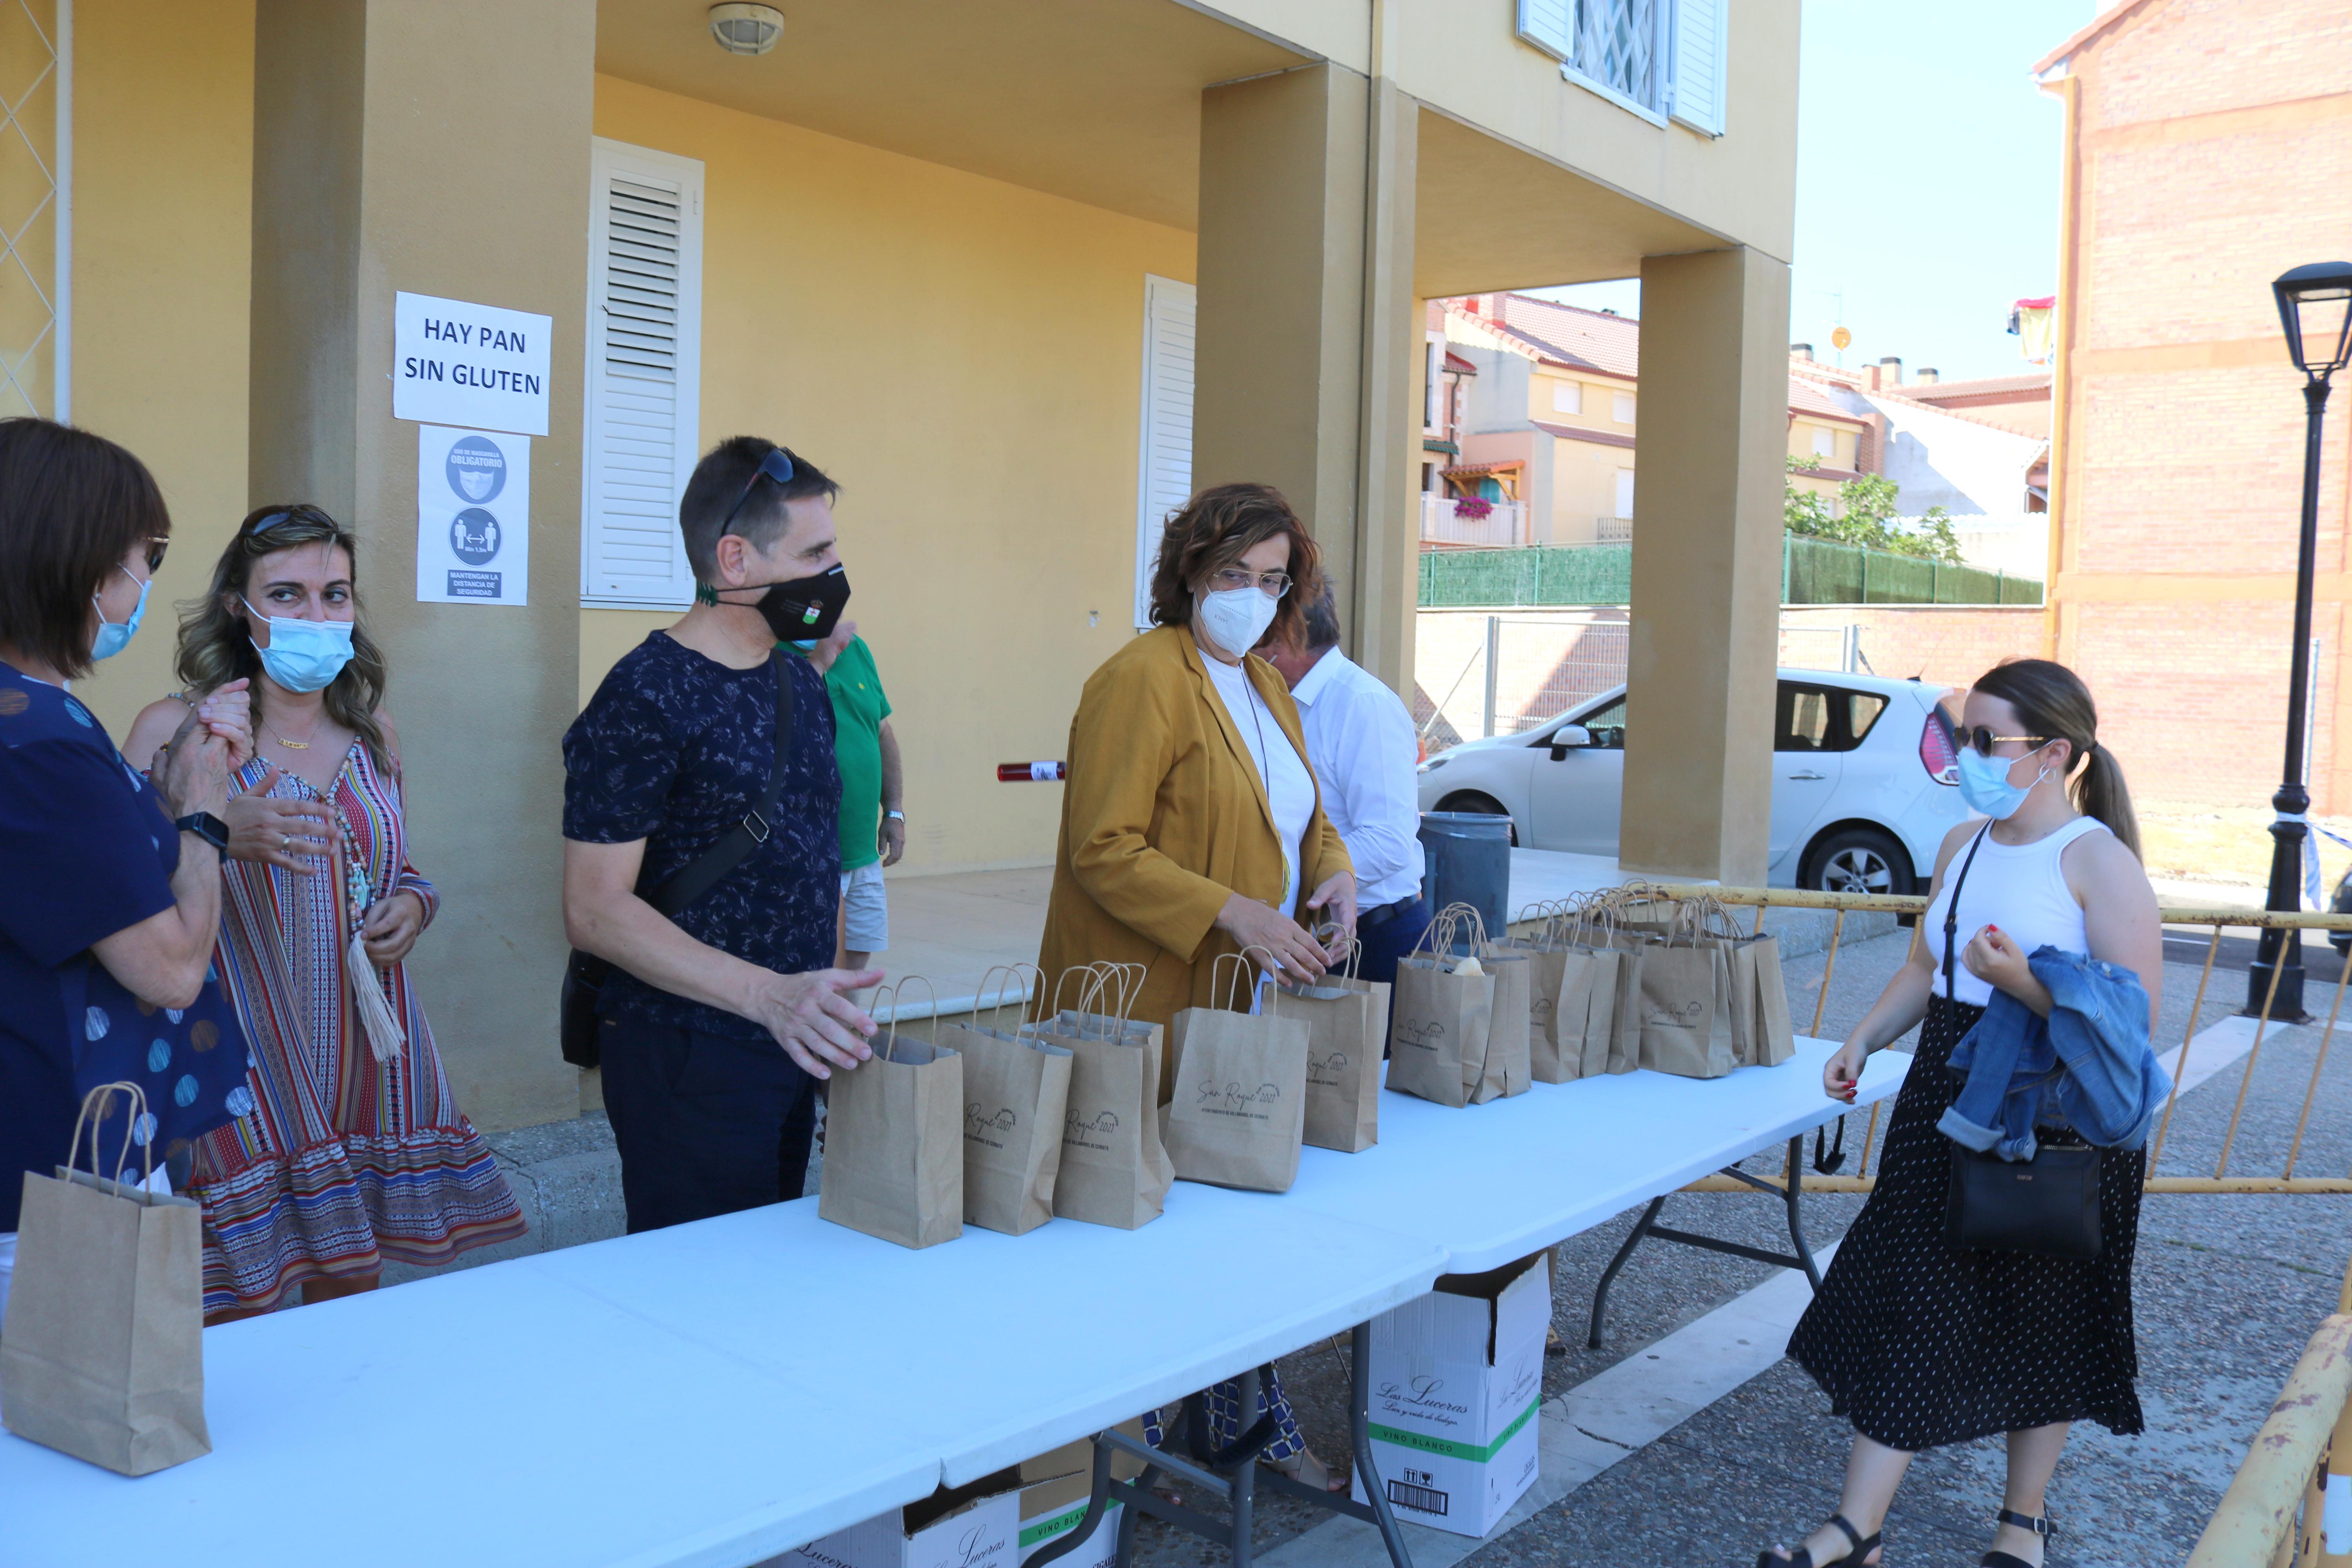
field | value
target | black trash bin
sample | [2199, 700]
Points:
[1469, 857]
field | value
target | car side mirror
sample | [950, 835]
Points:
[1568, 737]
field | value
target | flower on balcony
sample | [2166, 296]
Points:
[1470, 508]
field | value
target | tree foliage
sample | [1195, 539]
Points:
[1865, 514]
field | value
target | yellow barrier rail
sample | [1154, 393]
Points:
[2221, 1180]
[2303, 1452]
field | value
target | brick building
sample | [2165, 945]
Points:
[2207, 147]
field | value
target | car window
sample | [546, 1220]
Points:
[1803, 720]
[1861, 711]
[1607, 726]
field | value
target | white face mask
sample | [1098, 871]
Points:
[1236, 618]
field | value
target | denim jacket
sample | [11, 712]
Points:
[2088, 1065]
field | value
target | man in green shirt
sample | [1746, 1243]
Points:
[873, 828]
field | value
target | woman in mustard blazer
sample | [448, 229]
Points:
[1191, 825]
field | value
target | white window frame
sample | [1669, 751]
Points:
[1552, 26]
[1622, 407]
[1624, 499]
[1567, 397]
[1160, 294]
[607, 159]
[1824, 441]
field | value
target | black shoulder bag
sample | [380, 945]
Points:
[2048, 1206]
[585, 974]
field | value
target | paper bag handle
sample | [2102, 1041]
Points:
[1013, 971]
[1240, 961]
[93, 1112]
[890, 1042]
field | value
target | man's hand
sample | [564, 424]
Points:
[1335, 901]
[811, 1017]
[829, 649]
[392, 928]
[286, 831]
[890, 839]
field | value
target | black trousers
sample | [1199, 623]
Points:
[705, 1124]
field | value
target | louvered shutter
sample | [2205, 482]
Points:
[645, 375]
[1700, 63]
[1549, 26]
[1165, 467]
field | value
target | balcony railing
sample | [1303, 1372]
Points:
[1613, 530]
[1445, 520]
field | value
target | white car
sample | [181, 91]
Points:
[1864, 781]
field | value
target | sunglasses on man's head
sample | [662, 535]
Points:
[777, 466]
[1982, 738]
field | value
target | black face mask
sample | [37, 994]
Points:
[805, 609]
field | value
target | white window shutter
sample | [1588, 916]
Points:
[1549, 26]
[1164, 465]
[644, 375]
[1700, 63]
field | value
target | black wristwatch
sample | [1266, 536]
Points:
[206, 826]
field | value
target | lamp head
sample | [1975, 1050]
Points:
[2315, 306]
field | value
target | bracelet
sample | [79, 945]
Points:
[896, 815]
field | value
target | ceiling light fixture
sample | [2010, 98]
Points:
[746, 29]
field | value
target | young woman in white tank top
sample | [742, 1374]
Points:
[1920, 1344]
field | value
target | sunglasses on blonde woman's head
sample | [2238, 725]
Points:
[1982, 738]
[155, 549]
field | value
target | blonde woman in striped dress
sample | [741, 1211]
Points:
[356, 1153]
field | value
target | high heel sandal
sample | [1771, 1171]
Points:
[1803, 1558]
[2040, 1526]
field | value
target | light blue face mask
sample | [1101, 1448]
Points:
[304, 656]
[807, 646]
[1985, 786]
[112, 639]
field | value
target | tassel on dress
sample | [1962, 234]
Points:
[385, 1036]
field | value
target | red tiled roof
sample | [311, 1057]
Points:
[1576, 433]
[1806, 398]
[1455, 363]
[1936, 391]
[1574, 337]
[1472, 470]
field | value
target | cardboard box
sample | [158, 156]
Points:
[1041, 1529]
[1457, 1379]
[974, 1526]
[1054, 1496]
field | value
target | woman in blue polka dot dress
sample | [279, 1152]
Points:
[1917, 1342]
[110, 885]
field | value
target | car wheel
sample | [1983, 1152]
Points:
[1858, 860]
[1478, 805]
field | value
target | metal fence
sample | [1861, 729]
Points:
[1812, 572]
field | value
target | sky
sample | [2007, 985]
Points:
[1926, 181]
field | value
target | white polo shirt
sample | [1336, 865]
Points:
[1360, 741]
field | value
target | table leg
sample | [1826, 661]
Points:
[1609, 1275]
[1359, 1431]
[1244, 1474]
[1791, 1197]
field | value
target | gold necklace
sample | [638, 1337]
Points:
[290, 745]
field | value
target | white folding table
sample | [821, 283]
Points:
[704, 1396]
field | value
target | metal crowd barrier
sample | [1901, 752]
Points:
[2174, 1060]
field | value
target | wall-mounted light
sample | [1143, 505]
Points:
[746, 29]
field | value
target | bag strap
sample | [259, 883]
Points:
[1952, 909]
[702, 873]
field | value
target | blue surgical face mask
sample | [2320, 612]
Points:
[808, 646]
[112, 639]
[1985, 786]
[304, 656]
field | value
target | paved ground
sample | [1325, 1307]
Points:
[2227, 1289]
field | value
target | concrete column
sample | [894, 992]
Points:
[1306, 329]
[1712, 429]
[438, 147]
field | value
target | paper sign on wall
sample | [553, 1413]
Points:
[454, 363]
[473, 517]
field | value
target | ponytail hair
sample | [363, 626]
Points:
[2054, 704]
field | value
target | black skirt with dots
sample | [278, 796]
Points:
[1921, 1344]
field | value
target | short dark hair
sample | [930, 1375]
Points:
[720, 480]
[71, 506]
[1217, 528]
[1320, 629]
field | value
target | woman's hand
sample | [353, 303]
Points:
[192, 771]
[1335, 901]
[2001, 964]
[392, 928]
[227, 712]
[1297, 956]
[1843, 1072]
[294, 834]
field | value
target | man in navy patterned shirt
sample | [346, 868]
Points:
[715, 1024]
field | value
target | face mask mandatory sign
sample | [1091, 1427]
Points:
[473, 511]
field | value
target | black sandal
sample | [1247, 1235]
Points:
[1862, 1547]
[2040, 1527]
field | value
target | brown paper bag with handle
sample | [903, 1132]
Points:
[1505, 1068]
[1437, 1039]
[1687, 1000]
[1115, 1170]
[894, 1142]
[1762, 1034]
[1347, 1025]
[102, 1355]
[1240, 1104]
[1547, 954]
[1584, 1023]
[1016, 1089]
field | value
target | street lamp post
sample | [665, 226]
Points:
[2316, 310]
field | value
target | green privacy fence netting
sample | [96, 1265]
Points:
[1812, 572]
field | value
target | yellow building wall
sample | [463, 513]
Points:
[1845, 448]
[163, 246]
[1583, 487]
[965, 356]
